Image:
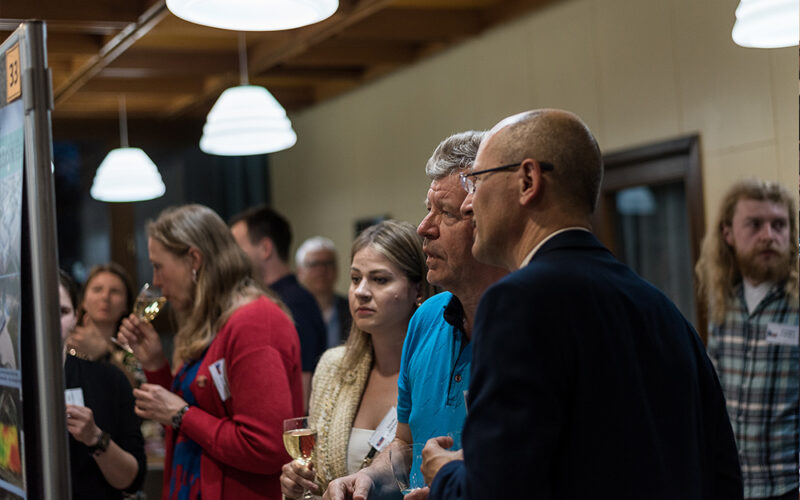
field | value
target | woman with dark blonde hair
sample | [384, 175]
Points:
[239, 356]
[107, 297]
[355, 385]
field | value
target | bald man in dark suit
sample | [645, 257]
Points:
[587, 382]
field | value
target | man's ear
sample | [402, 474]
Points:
[727, 233]
[530, 182]
[265, 248]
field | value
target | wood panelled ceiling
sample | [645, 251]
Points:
[172, 70]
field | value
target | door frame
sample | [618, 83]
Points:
[652, 164]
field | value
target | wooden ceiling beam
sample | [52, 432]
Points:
[169, 85]
[311, 74]
[268, 55]
[111, 50]
[69, 44]
[102, 28]
[418, 25]
[98, 10]
[177, 62]
[356, 54]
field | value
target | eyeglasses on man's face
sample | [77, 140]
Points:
[469, 181]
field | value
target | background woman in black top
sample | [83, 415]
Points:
[106, 446]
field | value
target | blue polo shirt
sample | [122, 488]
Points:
[434, 371]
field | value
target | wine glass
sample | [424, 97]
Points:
[406, 461]
[147, 305]
[299, 438]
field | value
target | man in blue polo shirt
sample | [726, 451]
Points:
[434, 369]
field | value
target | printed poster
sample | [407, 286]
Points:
[12, 473]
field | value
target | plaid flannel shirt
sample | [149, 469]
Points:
[760, 382]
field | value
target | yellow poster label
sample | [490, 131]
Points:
[13, 80]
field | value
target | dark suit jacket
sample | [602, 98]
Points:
[307, 319]
[345, 319]
[587, 383]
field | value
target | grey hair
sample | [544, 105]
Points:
[312, 245]
[453, 154]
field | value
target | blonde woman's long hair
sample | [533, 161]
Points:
[402, 246]
[225, 278]
[717, 270]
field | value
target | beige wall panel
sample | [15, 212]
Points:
[637, 81]
[787, 163]
[783, 76]
[725, 90]
[561, 61]
[499, 81]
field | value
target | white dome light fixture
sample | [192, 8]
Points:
[126, 174]
[767, 23]
[253, 15]
[246, 120]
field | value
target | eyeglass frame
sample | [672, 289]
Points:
[469, 184]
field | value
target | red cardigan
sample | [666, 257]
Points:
[242, 438]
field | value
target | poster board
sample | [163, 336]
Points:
[33, 444]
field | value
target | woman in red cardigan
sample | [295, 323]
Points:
[239, 356]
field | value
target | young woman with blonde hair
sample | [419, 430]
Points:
[355, 385]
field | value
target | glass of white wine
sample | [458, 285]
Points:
[148, 303]
[299, 438]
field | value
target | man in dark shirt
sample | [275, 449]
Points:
[265, 236]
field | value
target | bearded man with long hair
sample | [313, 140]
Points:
[747, 273]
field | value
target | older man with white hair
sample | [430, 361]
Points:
[317, 271]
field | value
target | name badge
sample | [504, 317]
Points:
[217, 369]
[384, 433]
[782, 334]
[74, 397]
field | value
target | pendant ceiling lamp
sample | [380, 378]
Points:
[767, 23]
[126, 174]
[253, 15]
[246, 120]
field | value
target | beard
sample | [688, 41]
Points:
[757, 269]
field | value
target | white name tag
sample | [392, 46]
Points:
[74, 397]
[217, 369]
[782, 334]
[384, 434]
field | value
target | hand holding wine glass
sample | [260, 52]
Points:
[138, 334]
[299, 438]
[296, 478]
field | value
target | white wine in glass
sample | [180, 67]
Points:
[299, 439]
[148, 303]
